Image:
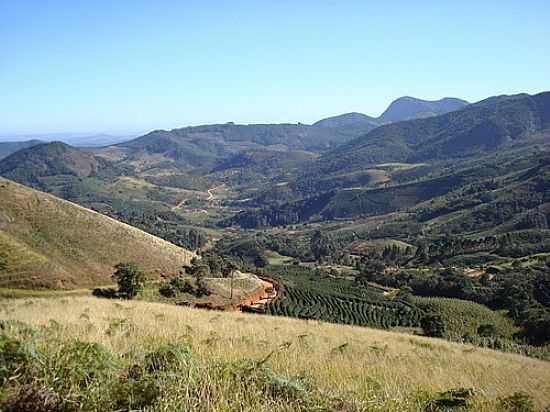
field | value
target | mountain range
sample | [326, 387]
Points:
[269, 168]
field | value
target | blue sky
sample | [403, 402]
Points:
[132, 66]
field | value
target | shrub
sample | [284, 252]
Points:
[77, 364]
[130, 279]
[166, 358]
[130, 395]
[16, 359]
[433, 326]
[202, 289]
[176, 286]
[487, 330]
[108, 293]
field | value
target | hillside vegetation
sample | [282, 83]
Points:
[109, 355]
[46, 242]
[7, 148]
[478, 128]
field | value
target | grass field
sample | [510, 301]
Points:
[347, 368]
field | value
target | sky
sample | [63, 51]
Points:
[134, 66]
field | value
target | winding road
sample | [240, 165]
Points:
[209, 198]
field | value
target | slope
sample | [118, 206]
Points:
[479, 128]
[235, 361]
[407, 108]
[46, 242]
[34, 164]
[487, 193]
[7, 148]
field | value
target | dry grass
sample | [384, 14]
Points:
[383, 368]
[46, 242]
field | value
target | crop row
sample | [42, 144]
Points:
[306, 304]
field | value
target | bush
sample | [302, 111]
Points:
[130, 279]
[202, 289]
[487, 330]
[16, 359]
[176, 286]
[132, 394]
[433, 326]
[166, 358]
[108, 293]
[77, 364]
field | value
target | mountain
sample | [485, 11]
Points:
[407, 108]
[7, 148]
[37, 165]
[403, 108]
[46, 242]
[49, 159]
[504, 192]
[347, 119]
[93, 140]
[73, 139]
[479, 128]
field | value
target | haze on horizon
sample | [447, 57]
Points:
[129, 67]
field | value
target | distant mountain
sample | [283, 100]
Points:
[46, 242]
[478, 128]
[7, 148]
[204, 146]
[48, 159]
[407, 108]
[94, 140]
[404, 108]
[73, 139]
[57, 167]
[347, 119]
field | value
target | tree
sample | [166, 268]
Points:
[321, 245]
[261, 261]
[433, 326]
[202, 288]
[130, 279]
[487, 330]
[542, 289]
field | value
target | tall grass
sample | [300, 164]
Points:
[244, 362]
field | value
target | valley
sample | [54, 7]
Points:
[431, 221]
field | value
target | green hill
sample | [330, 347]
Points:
[7, 148]
[35, 165]
[46, 242]
[478, 128]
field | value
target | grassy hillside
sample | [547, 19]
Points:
[106, 355]
[46, 242]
